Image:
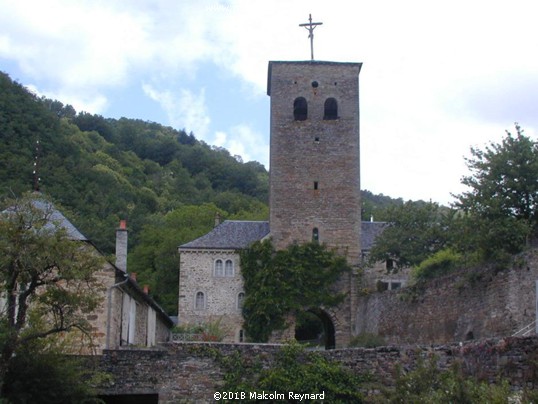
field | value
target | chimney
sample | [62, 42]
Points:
[121, 246]
[217, 219]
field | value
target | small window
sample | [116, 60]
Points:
[381, 286]
[315, 235]
[316, 185]
[229, 268]
[219, 271]
[300, 109]
[240, 299]
[331, 109]
[389, 264]
[199, 302]
[241, 335]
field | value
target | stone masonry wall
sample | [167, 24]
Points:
[185, 373]
[315, 150]
[220, 292]
[468, 305]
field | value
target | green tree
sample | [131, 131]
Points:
[502, 200]
[415, 231]
[280, 283]
[46, 277]
[155, 258]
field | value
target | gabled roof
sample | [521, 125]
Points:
[369, 232]
[54, 217]
[58, 219]
[237, 234]
[230, 234]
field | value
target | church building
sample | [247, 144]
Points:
[314, 196]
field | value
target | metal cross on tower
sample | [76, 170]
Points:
[310, 26]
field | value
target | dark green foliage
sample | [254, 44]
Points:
[417, 230]
[107, 169]
[280, 283]
[47, 280]
[155, 258]
[44, 376]
[377, 206]
[299, 371]
[501, 207]
[428, 384]
[440, 263]
[103, 170]
[294, 370]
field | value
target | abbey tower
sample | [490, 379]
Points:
[315, 168]
[315, 155]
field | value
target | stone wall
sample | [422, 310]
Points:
[186, 373]
[468, 305]
[221, 292]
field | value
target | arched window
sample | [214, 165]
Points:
[300, 109]
[229, 268]
[315, 235]
[199, 301]
[240, 299]
[219, 271]
[331, 109]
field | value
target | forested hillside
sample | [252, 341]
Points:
[165, 182]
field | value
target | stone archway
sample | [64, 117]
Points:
[315, 327]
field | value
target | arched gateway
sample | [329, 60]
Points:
[316, 328]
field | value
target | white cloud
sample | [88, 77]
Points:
[244, 142]
[184, 109]
[437, 78]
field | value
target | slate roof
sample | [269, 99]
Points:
[369, 232]
[55, 219]
[58, 219]
[236, 234]
[230, 234]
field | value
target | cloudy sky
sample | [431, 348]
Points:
[437, 77]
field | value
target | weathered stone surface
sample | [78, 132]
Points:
[467, 305]
[185, 373]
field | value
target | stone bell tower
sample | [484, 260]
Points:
[315, 164]
[315, 159]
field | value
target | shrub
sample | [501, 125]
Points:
[210, 331]
[440, 263]
[367, 340]
[428, 384]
